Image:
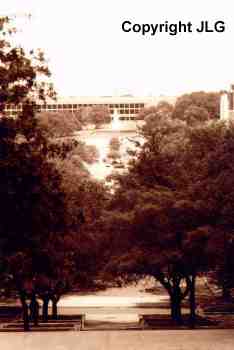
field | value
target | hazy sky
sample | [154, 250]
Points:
[90, 55]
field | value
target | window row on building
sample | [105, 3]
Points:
[47, 107]
[127, 117]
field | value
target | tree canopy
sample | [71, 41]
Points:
[177, 201]
[42, 211]
[208, 101]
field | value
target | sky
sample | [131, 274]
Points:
[89, 54]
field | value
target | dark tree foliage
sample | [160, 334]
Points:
[31, 198]
[114, 144]
[208, 101]
[97, 115]
[36, 248]
[59, 124]
[177, 202]
[162, 110]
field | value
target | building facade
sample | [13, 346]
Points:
[127, 107]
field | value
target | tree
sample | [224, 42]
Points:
[114, 149]
[179, 204]
[30, 184]
[59, 124]
[98, 116]
[194, 115]
[42, 248]
[209, 101]
[90, 153]
[114, 155]
[212, 160]
[114, 144]
[54, 270]
[161, 234]
[163, 109]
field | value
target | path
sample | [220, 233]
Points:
[116, 308]
[121, 340]
[123, 302]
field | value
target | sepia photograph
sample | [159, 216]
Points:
[116, 175]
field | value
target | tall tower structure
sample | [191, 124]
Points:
[227, 104]
[231, 98]
[224, 106]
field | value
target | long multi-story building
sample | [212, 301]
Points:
[127, 107]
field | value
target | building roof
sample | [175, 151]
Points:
[149, 100]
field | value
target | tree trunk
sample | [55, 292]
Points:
[45, 308]
[176, 296]
[226, 270]
[192, 301]
[176, 309]
[25, 313]
[54, 308]
[34, 310]
[226, 292]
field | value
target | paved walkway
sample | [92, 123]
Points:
[120, 340]
[118, 305]
[123, 303]
[113, 306]
[128, 297]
